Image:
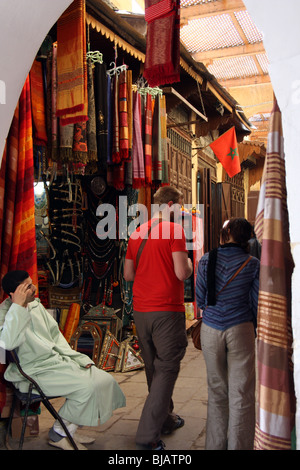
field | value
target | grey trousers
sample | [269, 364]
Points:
[163, 341]
[230, 362]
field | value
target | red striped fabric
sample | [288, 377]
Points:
[162, 7]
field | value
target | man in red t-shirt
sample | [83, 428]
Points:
[158, 273]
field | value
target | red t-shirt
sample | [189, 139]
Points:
[156, 287]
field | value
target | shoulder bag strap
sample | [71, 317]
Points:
[142, 245]
[236, 273]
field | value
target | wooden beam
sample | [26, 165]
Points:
[229, 52]
[244, 82]
[210, 9]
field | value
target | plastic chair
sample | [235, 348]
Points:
[29, 398]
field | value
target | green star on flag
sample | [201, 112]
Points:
[226, 150]
[232, 153]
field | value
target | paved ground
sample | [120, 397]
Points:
[118, 434]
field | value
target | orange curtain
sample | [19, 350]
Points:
[17, 219]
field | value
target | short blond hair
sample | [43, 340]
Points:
[166, 194]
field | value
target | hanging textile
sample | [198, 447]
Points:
[91, 123]
[54, 119]
[38, 104]
[123, 116]
[128, 163]
[109, 120]
[276, 399]
[164, 147]
[138, 168]
[115, 121]
[23, 250]
[148, 139]
[102, 101]
[72, 102]
[162, 62]
[156, 143]
[80, 149]
[160, 171]
[66, 138]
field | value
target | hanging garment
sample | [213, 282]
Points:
[72, 102]
[157, 174]
[38, 104]
[148, 140]
[23, 250]
[162, 63]
[66, 137]
[138, 168]
[54, 119]
[164, 147]
[128, 164]
[91, 123]
[276, 397]
[102, 89]
[80, 149]
[116, 158]
[123, 116]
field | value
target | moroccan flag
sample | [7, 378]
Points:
[226, 150]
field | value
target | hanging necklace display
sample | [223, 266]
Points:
[65, 214]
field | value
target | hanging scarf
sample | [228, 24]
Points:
[148, 139]
[118, 175]
[275, 416]
[123, 116]
[157, 174]
[162, 63]
[72, 102]
[101, 104]
[128, 164]
[54, 119]
[115, 121]
[138, 169]
[66, 137]
[23, 249]
[38, 104]
[91, 123]
[109, 120]
[80, 149]
[164, 146]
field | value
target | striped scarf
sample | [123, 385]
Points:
[276, 399]
[72, 101]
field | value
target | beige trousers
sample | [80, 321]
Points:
[230, 362]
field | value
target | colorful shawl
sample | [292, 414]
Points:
[72, 102]
[38, 104]
[23, 250]
[115, 121]
[91, 123]
[128, 164]
[148, 139]
[66, 138]
[102, 104]
[80, 149]
[54, 119]
[162, 63]
[160, 172]
[109, 120]
[123, 116]
[17, 236]
[138, 168]
[276, 399]
[164, 146]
